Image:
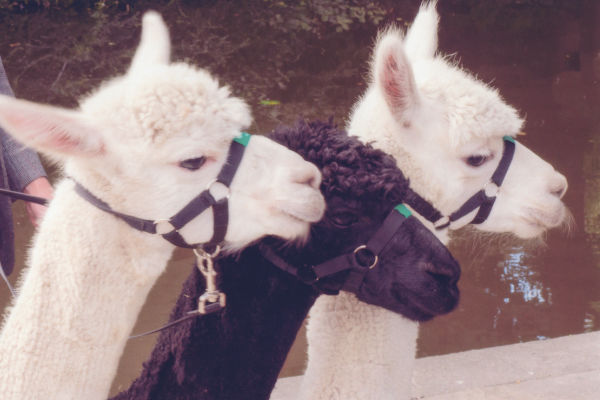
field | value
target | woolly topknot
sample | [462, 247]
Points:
[349, 167]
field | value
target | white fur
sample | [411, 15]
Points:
[89, 272]
[431, 116]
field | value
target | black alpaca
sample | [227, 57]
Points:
[238, 353]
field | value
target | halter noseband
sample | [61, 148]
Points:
[483, 199]
[169, 228]
[310, 274]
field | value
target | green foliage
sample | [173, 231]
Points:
[55, 51]
[343, 14]
[270, 49]
[35, 5]
[517, 16]
[311, 15]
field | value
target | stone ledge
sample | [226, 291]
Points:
[565, 368]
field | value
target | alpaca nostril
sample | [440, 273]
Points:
[313, 181]
[310, 176]
[559, 193]
[559, 187]
[443, 272]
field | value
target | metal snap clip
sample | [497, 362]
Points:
[211, 302]
[212, 299]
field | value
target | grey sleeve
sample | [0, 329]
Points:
[22, 164]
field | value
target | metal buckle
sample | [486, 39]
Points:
[307, 274]
[218, 192]
[163, 226]
[363, 247]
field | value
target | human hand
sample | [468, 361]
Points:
[38, 187]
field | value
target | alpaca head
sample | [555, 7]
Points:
[445, 128]
[415, 275]
[151, 140]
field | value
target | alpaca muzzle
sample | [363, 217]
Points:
[483, 200]
[369, 274]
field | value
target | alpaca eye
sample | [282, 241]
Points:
[476, 161]
[343, 219]
[193, 163]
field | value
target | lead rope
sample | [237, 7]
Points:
[25, 197]
[211, 301]
[5, 278]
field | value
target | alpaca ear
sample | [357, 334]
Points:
[238, 113]
[50, 130]
[155, 44]
[394, 77]
[421, 40]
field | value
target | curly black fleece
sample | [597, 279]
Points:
[237, 354]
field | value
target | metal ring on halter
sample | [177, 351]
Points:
[491, 189]
[163, 226]
[210, 186]
[201, 253]
[362, 247]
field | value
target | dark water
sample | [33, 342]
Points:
[543, 56]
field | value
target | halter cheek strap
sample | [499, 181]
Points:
[169, 229]
[483, 199]
[310, 274]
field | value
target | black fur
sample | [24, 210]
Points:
[238, 353]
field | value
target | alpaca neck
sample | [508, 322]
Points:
[236, 354]
[87, 279]
[357, 351]
[382, 133]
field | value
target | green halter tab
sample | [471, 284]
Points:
[243, 138]
[402, 209]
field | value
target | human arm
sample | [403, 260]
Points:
[23, 167]
[39, 187]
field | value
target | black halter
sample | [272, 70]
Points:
[169, 228]
[483, 199]
[359, 261]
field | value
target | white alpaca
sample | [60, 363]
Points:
[445, 129]
[145, 143]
